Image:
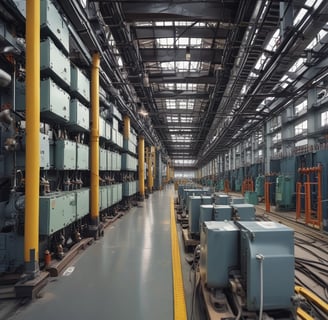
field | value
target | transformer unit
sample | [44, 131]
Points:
[243, 212]
[218, 252]
[214, 213]
[285, 188]
[194, 211]
[268, 245]
[237, 200]
[222, 199]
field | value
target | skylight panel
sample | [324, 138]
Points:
[165, 42]
[181, 86]
[182, 42]
[186, 119]
[274, 41]
[313, 3]
[169, 86]
[167, 65]
[300, 16]
[170, 103]
[298, 63]
[260, 64]
[183, 104]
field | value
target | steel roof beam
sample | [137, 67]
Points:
[169, 55]
[176, 94]
[215, 11]
[155, 32]
[181, 77]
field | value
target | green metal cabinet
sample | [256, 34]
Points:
[54, 103]
[82, 202]
[80, 84]
[65, 155]
[56, 212]
[82, 157]
[79, 119]
[53, 24]
[54, 62]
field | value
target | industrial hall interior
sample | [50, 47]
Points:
[164, 159]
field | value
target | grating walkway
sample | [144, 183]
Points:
[125, 275]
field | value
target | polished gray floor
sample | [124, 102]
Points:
[125, 275]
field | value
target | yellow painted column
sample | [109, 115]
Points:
[126, 129]
[150, 169]
[141, 166]
[94, 139]
[167, 172]
[32, 175]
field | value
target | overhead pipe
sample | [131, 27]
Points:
[94, 139]
[32, 175]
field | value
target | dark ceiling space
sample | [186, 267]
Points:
[206, 72]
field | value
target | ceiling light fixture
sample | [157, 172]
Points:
[188, 55]
[146, 80]
[142, 111]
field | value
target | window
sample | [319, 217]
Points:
[324, 118]
[301, 128]
[276, 137]
[301, 108]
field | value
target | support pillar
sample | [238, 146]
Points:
[141, 166]
[94, 139]
[32, 175]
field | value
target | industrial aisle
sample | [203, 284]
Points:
[125, 275]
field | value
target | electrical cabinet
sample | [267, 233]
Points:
[219, 254]
[129, 146]
[119, 192]
[109, 160]
[251, 197]
[129, 163]
[120, 139]
[54, 63]
[222, 199]
[65, 155]
[79, 119]
[206, 213]
[102, 159]
[129, 188]
[285, 188]
[259, 186]
[103, 200]
[222, 212]
[114, 135]
[54, 103]
[56, 211]
[80, 84]
[82, 157]
[110, 191]
[102, 127]
[44, 152]
[108, 131]
[82, 202]
[273, 242]
[191, 192]
[239, 200]
[194, 211]
[244, 212]
[53, 24]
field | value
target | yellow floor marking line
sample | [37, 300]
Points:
[180, 310]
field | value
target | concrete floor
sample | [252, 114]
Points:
[127, 274]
